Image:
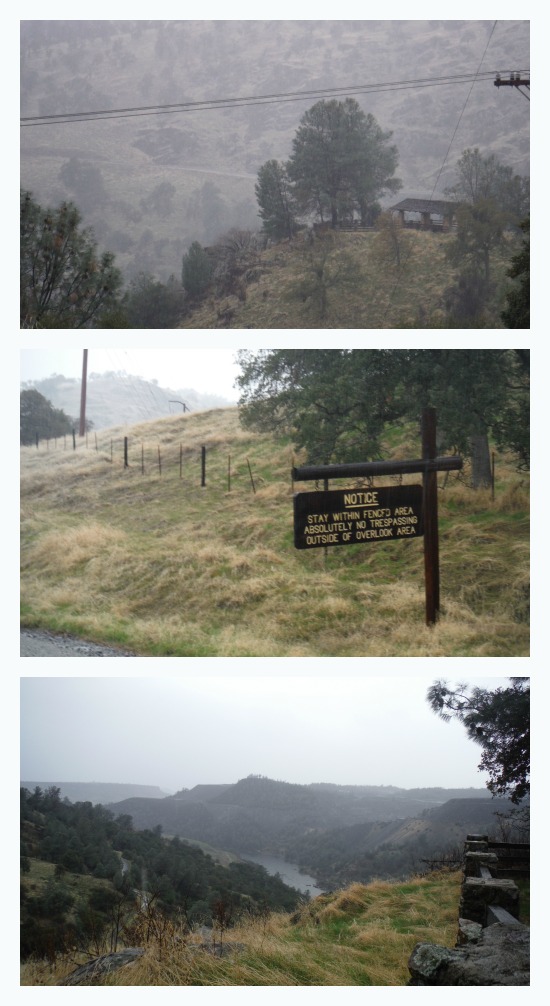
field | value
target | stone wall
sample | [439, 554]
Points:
[492, 946]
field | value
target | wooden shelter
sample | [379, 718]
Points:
[426, 214]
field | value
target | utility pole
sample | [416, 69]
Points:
[514, 80]
[82, 427]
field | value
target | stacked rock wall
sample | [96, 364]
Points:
[492, 945]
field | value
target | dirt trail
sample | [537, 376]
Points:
[37, 643]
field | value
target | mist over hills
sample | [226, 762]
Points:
[258, 814]
[151, 185]
[121, 399]
[98, 792]
[339, 834]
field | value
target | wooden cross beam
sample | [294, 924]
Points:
[428, 465]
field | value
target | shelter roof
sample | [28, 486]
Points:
[440, 206]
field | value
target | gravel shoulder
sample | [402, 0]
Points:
[37, 643]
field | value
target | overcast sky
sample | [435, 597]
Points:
[178, 731]
[208, 371]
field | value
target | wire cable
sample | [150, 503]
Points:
[214, 104]
[476, 77]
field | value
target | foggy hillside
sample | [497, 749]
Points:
[337, 834]
[386, 848]
[121, 399]
[257, 813]
[151, 184]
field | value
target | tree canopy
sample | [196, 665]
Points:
[335, 403]
[497, 720]
[152, 304]
[493, 202]
[38, 418]
[517, 313]
[341, 163]
[480, 179]
[65, 281]
[79, 838]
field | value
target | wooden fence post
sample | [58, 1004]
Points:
[251, 478]
[431, 533]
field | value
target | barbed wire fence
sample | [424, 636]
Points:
[132, 454]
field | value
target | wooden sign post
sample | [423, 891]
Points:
[352, 516]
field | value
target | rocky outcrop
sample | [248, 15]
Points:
[497, 955]
[94, 971]
[492, 946]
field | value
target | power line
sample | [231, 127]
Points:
[213, 104]
[476, 76]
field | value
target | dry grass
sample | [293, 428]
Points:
[363, 935]
[158, 564]
[373, 291]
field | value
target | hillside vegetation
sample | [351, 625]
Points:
[359, 936]
[348, 280]
[158, 564]
[338, 835]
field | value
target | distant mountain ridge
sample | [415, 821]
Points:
[99, 792]
[121, 399]
[337, 833]
[258, 814]
[390, 848]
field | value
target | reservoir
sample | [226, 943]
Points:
[288, 872]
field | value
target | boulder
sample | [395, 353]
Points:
[500, 957]
[94, 971]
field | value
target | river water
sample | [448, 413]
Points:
[288, 872]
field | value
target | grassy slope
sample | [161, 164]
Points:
[360, 936]
[369, 289]
[164, 567]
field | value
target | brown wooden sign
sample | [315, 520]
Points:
[357, 516]
[322, 534]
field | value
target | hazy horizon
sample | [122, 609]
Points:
[177, 733]
[204, 370]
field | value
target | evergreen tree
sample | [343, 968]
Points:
[275, 200]
[65, 283]
[341, 161]
[497, 720]
[333, 402]
[196, 271]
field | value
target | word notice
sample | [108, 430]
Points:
[355, 516]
